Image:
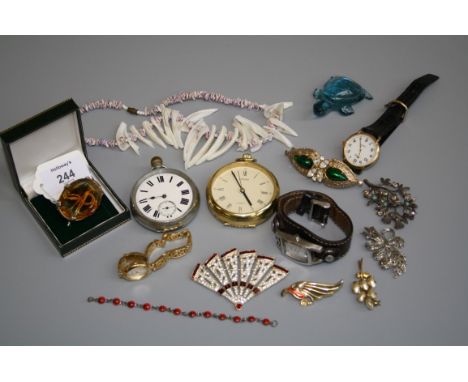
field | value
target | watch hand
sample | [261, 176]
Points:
[235, 177]
[240, 178]
[245, 194]
[247, 198]
[360, 146]
[241, 189]
[159, 196]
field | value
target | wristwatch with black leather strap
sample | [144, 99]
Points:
[299, 243]
[362, 149]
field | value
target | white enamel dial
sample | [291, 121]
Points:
[361, 150]
[242, 189]
[164, 197]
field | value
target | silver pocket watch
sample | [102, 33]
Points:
[165, 199]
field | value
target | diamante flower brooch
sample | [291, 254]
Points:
[393, 202]
[385, 248]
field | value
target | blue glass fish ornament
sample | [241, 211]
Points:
[339, 93]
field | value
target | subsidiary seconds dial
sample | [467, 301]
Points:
[164, 199]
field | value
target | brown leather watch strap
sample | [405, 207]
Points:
[302, 244]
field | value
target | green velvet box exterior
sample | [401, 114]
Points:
[41, 121]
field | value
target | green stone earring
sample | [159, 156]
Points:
[331, 172]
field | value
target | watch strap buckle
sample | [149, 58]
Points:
[316, 209]
[400, 103]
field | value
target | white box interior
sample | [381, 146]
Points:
[48, 142]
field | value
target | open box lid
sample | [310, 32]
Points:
[48, 135]
[43, 137]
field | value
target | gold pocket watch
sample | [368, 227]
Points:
[242, 193]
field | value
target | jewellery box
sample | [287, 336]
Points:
[50, 134]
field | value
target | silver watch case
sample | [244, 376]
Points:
[297, 249]
[180, 222]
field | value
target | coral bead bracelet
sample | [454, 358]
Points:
[179, 312]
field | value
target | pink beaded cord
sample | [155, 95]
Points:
[212, 97]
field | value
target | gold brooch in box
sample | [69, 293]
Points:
[80, 209]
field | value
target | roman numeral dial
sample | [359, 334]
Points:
[164, 197]
[243, 190]
[242, 193]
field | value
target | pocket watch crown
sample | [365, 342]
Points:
[247, 157]
[156, 162]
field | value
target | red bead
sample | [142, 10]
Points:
[266, 321]
[236, 319]
[239, 306]
[131, 304]
[192, 313]
[101, 300]
[251, 319]
[176, 311]
[116, 301]
[162, 308]
[222, 316]
[147, 306]
[207, 314]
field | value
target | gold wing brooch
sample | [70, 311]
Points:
[309, 292]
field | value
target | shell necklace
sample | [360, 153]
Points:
[164, 127]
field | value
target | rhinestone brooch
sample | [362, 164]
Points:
[331, 172]
[393, 202]
[385, 248]
[238, 276]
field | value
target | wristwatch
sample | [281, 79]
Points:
[299, 243]
[362, 149]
